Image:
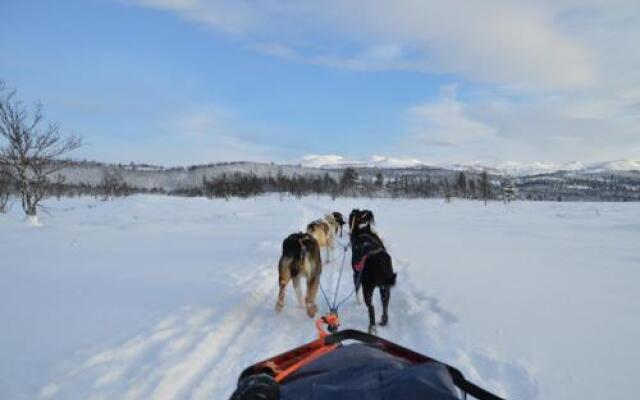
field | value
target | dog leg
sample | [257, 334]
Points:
[368, 294]
[284, 276]
[330, 248]
[283, 289]
[298, 289]
[312, 290]
[385, 295]
[357, 286]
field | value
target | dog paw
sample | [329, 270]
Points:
[372, 330]
[279, 307]
[312, 309]
[384, 320]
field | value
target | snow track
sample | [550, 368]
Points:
[198, 352]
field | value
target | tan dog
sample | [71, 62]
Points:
[300, 257]
[325, 230]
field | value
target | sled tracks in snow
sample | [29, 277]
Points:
[196, 353]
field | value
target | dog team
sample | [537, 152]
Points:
[370, 261]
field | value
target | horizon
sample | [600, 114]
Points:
[199, 82]
[335, 163]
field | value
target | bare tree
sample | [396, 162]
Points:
[5, 189]
[31, 151]
[112, 183]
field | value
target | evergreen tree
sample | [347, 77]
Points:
[349, 178]
[461, 185]
[379, 180]
[485, 186]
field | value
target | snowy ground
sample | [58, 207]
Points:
[162, 298]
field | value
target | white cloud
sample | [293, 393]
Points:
[494, 127]
[229, 17]
[550, 79]
[443, 123]
[512, 43]
[198, 135]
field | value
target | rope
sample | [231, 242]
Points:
[352, 290]
[333, 308]
[358, 279]
[336, 305]
[326, 299]
[335, 295]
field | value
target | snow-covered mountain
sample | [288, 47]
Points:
[513, 168]
[375, 161]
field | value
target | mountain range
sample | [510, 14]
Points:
[512, 168]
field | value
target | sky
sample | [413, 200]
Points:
[179, 82]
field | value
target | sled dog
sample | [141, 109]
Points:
[372, 268]
[300, 257]
[362, 221]
[325, 230]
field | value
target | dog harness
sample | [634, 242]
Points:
[359, 266]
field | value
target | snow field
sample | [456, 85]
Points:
[155, 297]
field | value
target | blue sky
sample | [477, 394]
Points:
[195, 81]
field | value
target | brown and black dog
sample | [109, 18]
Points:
[300, 257]
[325, 230]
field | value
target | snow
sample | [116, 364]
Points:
[618, 165]
[375, 161]
[155, 297]
[33, 220]
[514, 168]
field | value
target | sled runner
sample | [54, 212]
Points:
[350, 365]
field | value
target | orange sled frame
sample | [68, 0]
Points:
[283, 365]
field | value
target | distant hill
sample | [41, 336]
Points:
[609, 181]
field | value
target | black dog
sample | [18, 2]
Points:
[372, 266]
[360, 220]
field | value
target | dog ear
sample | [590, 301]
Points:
[368, 215]
[352, 218]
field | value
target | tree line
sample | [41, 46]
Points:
[350, 184]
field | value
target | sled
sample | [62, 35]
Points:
[349, 365]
